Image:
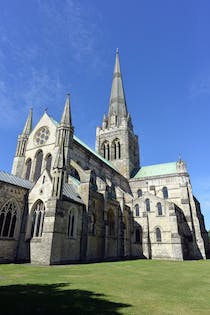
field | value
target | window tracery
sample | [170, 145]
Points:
[8, 219]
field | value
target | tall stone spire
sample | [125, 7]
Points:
[66, 117]
[117, 103]
[28, 125]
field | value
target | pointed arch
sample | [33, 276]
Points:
[72, 224]
[147, 202]
[158, 234]
[8, 219]
[37, 218]
[159, 208]
[137, 210]
[28, 168]
[139, 193]
[165, 192]
[105, 149]
[38, 164]
[115, 149]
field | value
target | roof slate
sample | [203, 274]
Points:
[157, 170]
[69, 192]
[15, 180]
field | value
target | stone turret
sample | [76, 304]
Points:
[63, 146]
[115, 140]
[18, 163]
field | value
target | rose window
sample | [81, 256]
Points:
[42, 136]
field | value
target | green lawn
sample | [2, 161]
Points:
[128, 287]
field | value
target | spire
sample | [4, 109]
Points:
[117, 103]
[28, 125]
[66, 117]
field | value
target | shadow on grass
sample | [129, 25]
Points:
[54, 299]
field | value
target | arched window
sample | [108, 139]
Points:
[138, 234]
[137, 210]
[116, 150]
[71, 228]
[8, 219]
[48, 162]
[158, 235]
[28, 169]
[37, 219]
[111, 223]
[106, 150]
[147, 204]
[159, 208]
[139, 193]
[38, 166]
[165, 192]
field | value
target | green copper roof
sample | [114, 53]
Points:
[156, 170]
[94, 152]
[88, 148]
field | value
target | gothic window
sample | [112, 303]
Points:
[28, 169]
[165, 192]
[139, 193]
[8, 219]
[71, 229]
[111, 223]
[158, 235]
[137, 210]
[106, 150]
[116, 150]
[159, 208]
[38, 166]
[147, 204]
[48, 162]
[37, 219]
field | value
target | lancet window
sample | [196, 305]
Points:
[38, 214]
[38, 165]
[8, 219]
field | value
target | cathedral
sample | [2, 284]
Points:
[66, 203]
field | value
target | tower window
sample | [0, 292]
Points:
[158, 235]
[116, 150]
[8, 219]
[106, 150]
[38, 219]
[165, 192]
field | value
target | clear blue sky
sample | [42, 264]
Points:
[48, 48]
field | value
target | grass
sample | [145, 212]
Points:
[128, 287]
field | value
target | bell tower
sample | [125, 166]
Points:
[115, 139]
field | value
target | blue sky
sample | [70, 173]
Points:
[51, 47]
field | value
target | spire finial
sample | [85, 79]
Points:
[28, 125]
[117, 51]
[66, 117]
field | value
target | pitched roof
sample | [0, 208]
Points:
[15, 180]
[88, 148]
[70, 193]
[157, 170]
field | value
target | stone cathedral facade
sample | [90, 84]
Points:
[65, 202]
